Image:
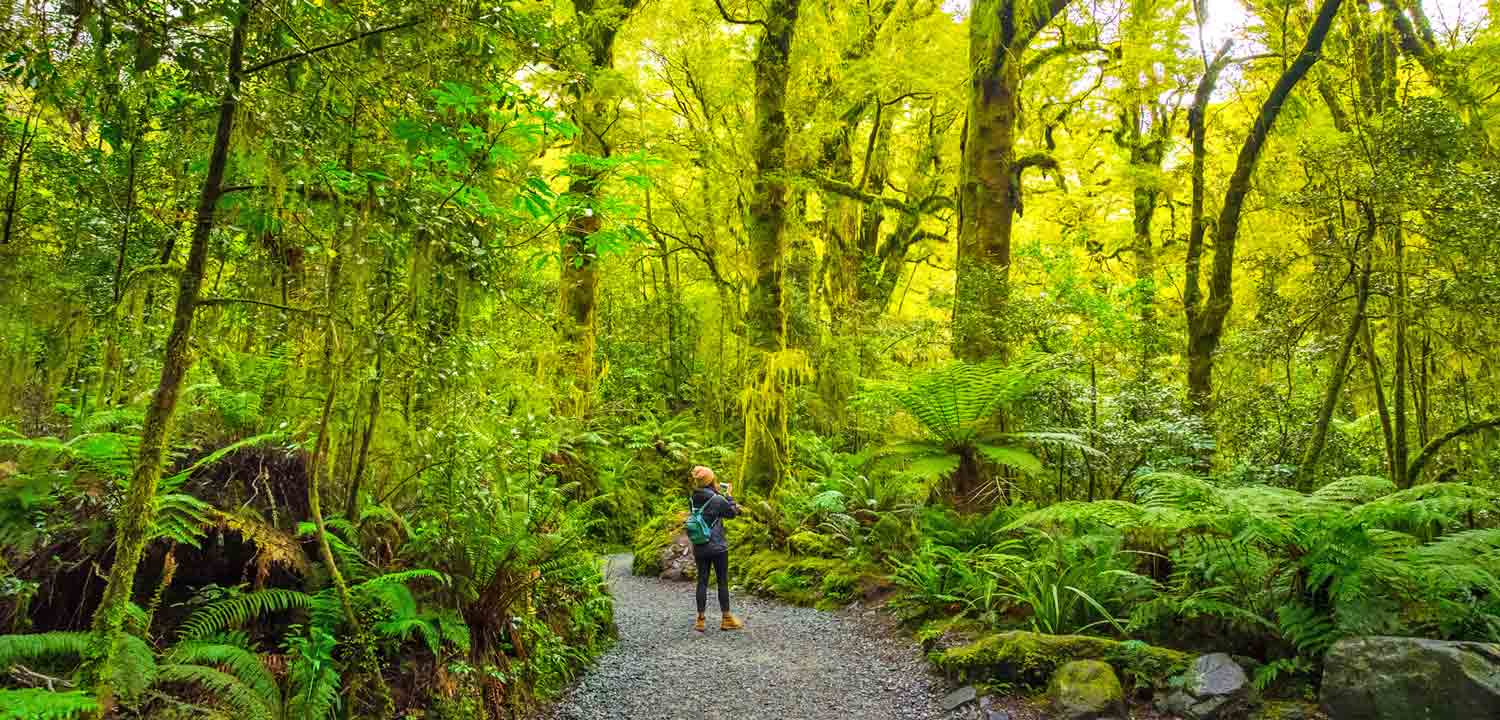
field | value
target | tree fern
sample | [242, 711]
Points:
[40, 704]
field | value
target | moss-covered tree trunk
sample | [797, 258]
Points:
[579, 284]
[765, 418]
[134, 519]
[989, 194]
[1206, 317]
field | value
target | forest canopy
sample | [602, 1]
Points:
[338, 338]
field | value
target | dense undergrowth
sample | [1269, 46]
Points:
[1178, 561]
[479, 591]
[338, 340]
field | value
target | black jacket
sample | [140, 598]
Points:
[718, 509]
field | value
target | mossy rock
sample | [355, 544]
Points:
[1287, 710]
[652, 538]
[1086, 690]
[1030, 658]
[948, 632]
[814, 544]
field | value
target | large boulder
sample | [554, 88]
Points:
[1086, 690]
[1396, 678]
[1214, 688]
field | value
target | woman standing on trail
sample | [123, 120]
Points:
[711, 505]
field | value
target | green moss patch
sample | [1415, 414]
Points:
[825, 583]
[1030, 658]
[652, 538]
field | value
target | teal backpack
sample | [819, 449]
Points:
[699, 531]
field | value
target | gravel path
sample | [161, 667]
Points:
[789, 663]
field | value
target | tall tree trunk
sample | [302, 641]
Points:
[765, 417]
[1206, 319]
[1377, 381]
[1400, 448]
[1147, 148]
[112, 359]
[579, 284]
[356, 479]
[135, 518]
[1340, 370]
[29, 129]
[990, 176]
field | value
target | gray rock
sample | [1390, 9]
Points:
[1215, 688]
[998, 715]
[677, 560]
[1086, 690]
[1394, 678]
[959, 697]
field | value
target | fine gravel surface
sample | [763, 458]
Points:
[789, 663]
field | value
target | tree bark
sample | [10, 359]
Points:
[29, 129]
[579, 284]
[135, 518]
[1400, 450]
[989, 185]
[1430, 450]
[1377, 382]
[1340, 369]
[765, 420]
[1206, 321]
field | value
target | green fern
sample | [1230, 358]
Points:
[313, 694]
[234, 612]
[39, 704]
[54, 648]
[135, 667]
[227, 688]
[1356, 490]
[232, 658]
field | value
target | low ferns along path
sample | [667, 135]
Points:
[788, 663]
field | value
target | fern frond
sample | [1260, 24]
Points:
[39, 704]
[175, 480]
[245, 700]
[370, 587]
[234, 660]
[236, 611]
[51, 647]
[1356, 489]
[315, 681]
[182, 518]
[1077, 513]
[135, 667]
[1012, 457]
[932, 467]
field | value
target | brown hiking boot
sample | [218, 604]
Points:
[731, 622]
[701, 625]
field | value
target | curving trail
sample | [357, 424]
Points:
[789, 663]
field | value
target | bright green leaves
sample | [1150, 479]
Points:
[457, 97]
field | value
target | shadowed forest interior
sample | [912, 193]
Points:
[339, 339]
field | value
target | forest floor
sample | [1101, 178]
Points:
[789, 663]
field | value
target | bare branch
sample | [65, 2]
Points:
[725, 14]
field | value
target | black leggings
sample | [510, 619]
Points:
[720, 564]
